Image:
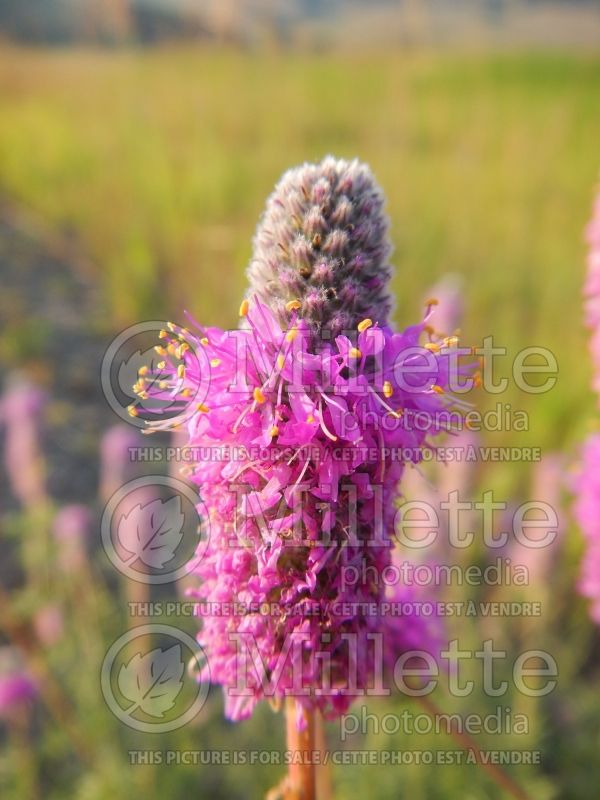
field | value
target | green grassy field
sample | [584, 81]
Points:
[159, 162]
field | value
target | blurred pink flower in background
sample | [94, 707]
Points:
[586, 484]
[116, 464]
[587, 514]
[447, 315]
[21, 411]
[592, 292]
[547, 485]
[48, 623]
[17, 688]
[435, 486]
[459, 473]
[71, 530]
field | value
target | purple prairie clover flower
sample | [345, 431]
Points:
[586, 508]
[592, 292]
[302, 430]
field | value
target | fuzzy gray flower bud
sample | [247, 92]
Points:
[323, 241]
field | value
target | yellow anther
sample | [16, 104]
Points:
[180, 371]
[244, 306]
[132, 411]
[477, 380]
[355, 353]
[172, 350]
[163, 384]
[293, 305]
[204, 341]
[187, 392]
[396, 414]
[143, 371]
[163, 334]
[214, 362]
[310, 419]
[432, 302]
[450, 341]
[432, 346]
[202, 408]
[259, 396]
[291, 334]
[364, 325]
[280, 361]
[437, 389]
[160, 350]
[161, 364]
[387, 389]
[274, 431]
[171, 326]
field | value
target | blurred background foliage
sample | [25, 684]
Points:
[131, 180]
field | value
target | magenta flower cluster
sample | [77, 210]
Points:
[322, 435]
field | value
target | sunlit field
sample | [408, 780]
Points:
[155, 165]
[160, 162]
